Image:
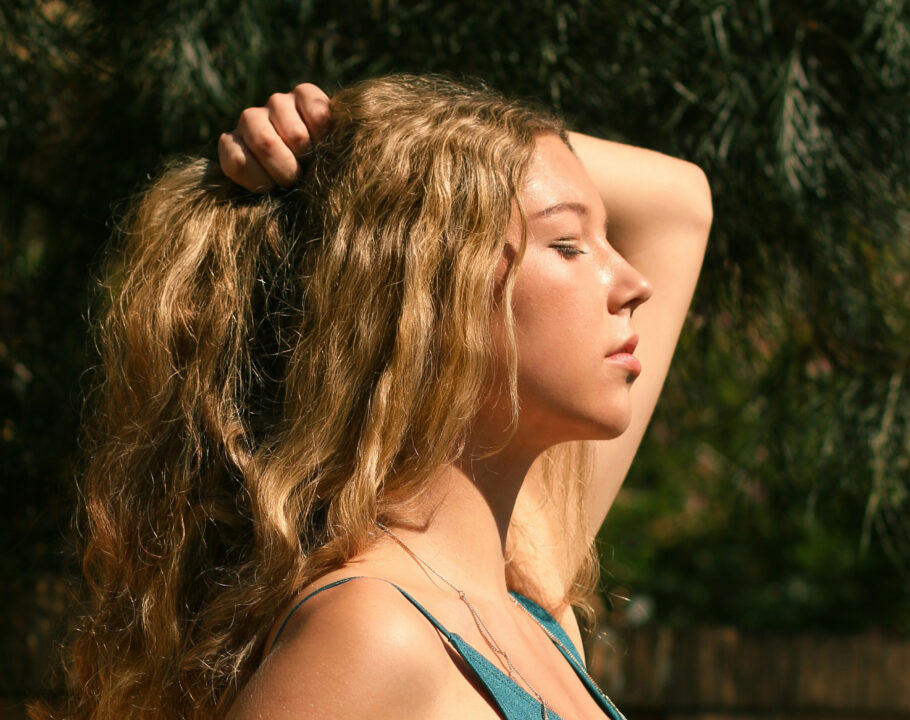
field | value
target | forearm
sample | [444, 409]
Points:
[643, 190]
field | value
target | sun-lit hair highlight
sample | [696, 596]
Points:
[278, 373]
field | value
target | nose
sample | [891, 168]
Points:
[631, 288]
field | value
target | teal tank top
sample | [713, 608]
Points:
[512, 699]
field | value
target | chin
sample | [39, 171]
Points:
[613, 430]
[616, 421]
[601, 428]
[570, 422]
[620, 429]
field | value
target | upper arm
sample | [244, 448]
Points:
[660, 213]
[357, 650]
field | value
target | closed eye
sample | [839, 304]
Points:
[568, 251]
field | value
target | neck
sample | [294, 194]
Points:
[463, 533]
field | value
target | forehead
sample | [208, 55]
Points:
[557, 177]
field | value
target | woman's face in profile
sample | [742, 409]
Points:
[572, 301]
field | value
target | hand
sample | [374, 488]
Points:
[264, 148]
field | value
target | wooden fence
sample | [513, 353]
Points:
[715, 673]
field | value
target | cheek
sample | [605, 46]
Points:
[554, 311]
[556, 348]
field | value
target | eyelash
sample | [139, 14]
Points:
[568, 251]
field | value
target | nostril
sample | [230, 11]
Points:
[633, 305]
[640, 292]
[631, 288]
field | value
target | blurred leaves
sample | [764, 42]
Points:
[778, 460]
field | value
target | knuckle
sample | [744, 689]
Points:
[320, 112]
[309, 93]
[237, 157]
[277, 100]
[248, 116]
[297, 138]
[262, 140]
[230, 155]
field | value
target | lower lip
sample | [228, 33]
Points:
[629, 361]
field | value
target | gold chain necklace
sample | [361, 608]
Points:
[482, 628]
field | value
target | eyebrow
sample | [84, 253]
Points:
[562, 207]
[575, 207]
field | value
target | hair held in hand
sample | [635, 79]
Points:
[279, 372]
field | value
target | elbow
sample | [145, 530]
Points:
[697, 204]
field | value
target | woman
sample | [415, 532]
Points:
[336, 467]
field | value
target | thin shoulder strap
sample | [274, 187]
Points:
[416, 604]
[514, 702]
[550, 623]
[565, 645]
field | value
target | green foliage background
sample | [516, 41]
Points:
[772, 489]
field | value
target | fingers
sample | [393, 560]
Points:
[265, 146]
[240, 165]
[288, 123]
[261, 137]
[313, 106]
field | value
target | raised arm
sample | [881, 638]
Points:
[659, 214]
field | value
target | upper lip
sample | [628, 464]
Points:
[628, 346]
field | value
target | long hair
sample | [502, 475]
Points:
[279, 372]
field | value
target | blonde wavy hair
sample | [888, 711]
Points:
[280, 372]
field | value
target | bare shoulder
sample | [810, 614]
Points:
[358, 649]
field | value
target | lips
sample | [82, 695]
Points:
[625, 357]
[627, 348]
